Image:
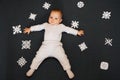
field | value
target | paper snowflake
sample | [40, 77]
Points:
[75, 24]
[26, 44]
[80, 4]
[21, 62]
[104, 65]
[83, 46]
[106, 15]
[16, 29]
[46, 5]
[108, 41]
[32, 16]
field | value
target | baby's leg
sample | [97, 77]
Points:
[38, 59]
[62, 58]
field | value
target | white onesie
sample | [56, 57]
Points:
[52, 46]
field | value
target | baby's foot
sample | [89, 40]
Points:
[30, 72]
[70, 74]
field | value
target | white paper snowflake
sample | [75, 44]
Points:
[106, 15]
[104, 65]
[32, 16]
[80, 4]
[75, 24]
[26, 44]
[83, 46]
[21, 62]
[46, 5]
[108, 41]
[16, 29]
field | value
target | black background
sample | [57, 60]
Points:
[86, 64]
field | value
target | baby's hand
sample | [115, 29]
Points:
[27, 30]
[80, 32]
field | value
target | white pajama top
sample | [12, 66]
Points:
[53, 32]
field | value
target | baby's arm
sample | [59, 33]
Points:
[72, 31]
[27, 30]
[35, 28]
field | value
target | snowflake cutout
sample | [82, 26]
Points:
[21, 62]
[75, 24]
[104, 65]
[32, 16]
[80, 4]
[83, 46]
[46, 5]
[106, 15]
[16, 29]
[108, 41]
[26, 44]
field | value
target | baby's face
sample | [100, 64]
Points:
[55, 18]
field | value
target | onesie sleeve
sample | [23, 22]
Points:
[69, 30]
[38, 27]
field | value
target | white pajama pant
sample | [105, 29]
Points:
[51, 49]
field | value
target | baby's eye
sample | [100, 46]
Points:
[51, 17]
[56, 18]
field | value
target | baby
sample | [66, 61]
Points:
[52, 46]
